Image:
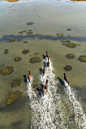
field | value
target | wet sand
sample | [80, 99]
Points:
[49, 18]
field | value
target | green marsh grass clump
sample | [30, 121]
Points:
[6, 51]
[30, 23]
[71, 45]
[16, 82]
[59, 34]
[12, 40]
[70, 56]
[17, 58]
[25, 51]
[82, 58]
[29, 32]
[68, 67]
[7, 70]
[13, 96]
[35, 60]
[25, 41]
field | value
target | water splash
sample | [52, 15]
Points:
[80, 117]
[47, 111]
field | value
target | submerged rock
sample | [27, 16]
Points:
[82, 58]
[68, 67]
[70, 56]
[13, 96]
[71, 45]
[30, 23]
[17, 59]
[7, 70]
[59, 34]
[25, 51]
[16, 82]
[35, 60]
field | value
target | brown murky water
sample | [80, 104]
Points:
[49, 18]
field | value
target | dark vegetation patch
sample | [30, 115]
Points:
[16, 82]
[6, 51]
[82, 58]
[29, 23]
[13, 96]
[25, 51]
[71, 45]
[70, 56]
[17, 59]
[35, 60]
[7, 70]
[68, 68]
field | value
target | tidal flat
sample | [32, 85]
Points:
[29, 28]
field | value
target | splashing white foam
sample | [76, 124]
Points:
[47, 111]
[80, 117]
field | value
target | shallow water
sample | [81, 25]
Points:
[50, 18]
[49, 110]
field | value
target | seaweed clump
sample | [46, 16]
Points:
[71, 45]
[35, 60]
[16, 82]
[25, 51]
[68, 67]
[17, 59]
[7, 70]
[82, 58]
[13, 96]
[70, 56]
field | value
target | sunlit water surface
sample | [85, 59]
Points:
[50, 17]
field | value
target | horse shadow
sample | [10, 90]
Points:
[44, 57]
[41, 71]
[61, 81]
[25, 78]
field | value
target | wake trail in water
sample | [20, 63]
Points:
[47, 111]
[80, 117]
